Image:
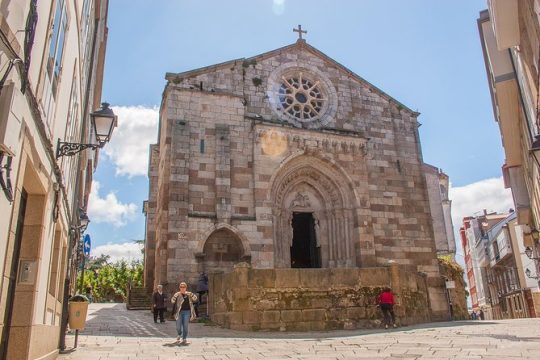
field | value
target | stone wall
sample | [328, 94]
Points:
[314, 299]
[452, 271]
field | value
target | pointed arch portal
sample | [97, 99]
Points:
[313, 211]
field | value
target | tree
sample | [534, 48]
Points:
[109, 282]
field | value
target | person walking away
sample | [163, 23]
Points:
[185, 311]
[386, 302]
[158, 304]
[202, 288]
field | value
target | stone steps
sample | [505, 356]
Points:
[139, 299]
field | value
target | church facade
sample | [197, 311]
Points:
[285, 160]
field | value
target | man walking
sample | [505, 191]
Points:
[158, 300]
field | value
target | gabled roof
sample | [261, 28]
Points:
[302, 44]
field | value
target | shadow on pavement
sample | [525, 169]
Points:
[116, 320]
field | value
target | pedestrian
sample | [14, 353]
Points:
[158, 304]
[202, 288]
[386, 302]
[473, 315]
[185, 311]
[89, 295]
[481, 315]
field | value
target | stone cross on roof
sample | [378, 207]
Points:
[300, 31]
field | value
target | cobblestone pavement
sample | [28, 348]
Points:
[112, 332]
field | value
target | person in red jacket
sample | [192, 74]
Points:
[386, 302]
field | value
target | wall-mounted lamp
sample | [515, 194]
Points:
[83, 222]
[528, 273]
[103, 122]
[529, 253]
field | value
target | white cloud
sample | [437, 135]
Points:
[137, 129]
[109, 209]
[128, 251]
[278, 6]
[472, 199]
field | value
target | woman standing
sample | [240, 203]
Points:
[386, 302]
[184, 311]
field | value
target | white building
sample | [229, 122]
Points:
[51, 66]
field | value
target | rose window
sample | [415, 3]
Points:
[300, 97]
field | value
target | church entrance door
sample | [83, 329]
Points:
[304, 250]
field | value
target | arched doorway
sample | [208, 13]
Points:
[222, 249]
[313, 215]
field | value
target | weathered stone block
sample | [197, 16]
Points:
[287, 278]
[291, 315]
[356, 313]
[271, 316]
[262, 278]
[251, 317]
[298, 326]
[312, 278]
[314, 314]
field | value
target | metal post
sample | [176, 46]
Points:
[81, 286]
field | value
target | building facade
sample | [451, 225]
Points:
[496, 265]
[51, 76]
[285, 160]
[441, 210]
[510, 37]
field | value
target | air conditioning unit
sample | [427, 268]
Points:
[11, 103]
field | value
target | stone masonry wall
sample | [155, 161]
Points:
[360, 172]
[314, 299]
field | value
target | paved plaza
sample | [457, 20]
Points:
[112, 332]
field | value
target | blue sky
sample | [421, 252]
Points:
[425, 53]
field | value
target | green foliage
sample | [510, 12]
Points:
[247, 63]
[109, 282]
[256, 81]
[455, 270]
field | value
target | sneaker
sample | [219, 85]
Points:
[178, 338]
[185, 342]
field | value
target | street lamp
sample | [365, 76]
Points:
[84, 220]
[529, 253]
[103, 122]
[528, 273]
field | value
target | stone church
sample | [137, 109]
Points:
[285, 160]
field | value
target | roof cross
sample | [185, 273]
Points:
[300, 31]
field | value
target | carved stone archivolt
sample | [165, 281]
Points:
[311, 185]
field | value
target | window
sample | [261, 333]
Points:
[56, 47]
[69, 170]
[87, 28]
[301, 97]
[202, 146]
